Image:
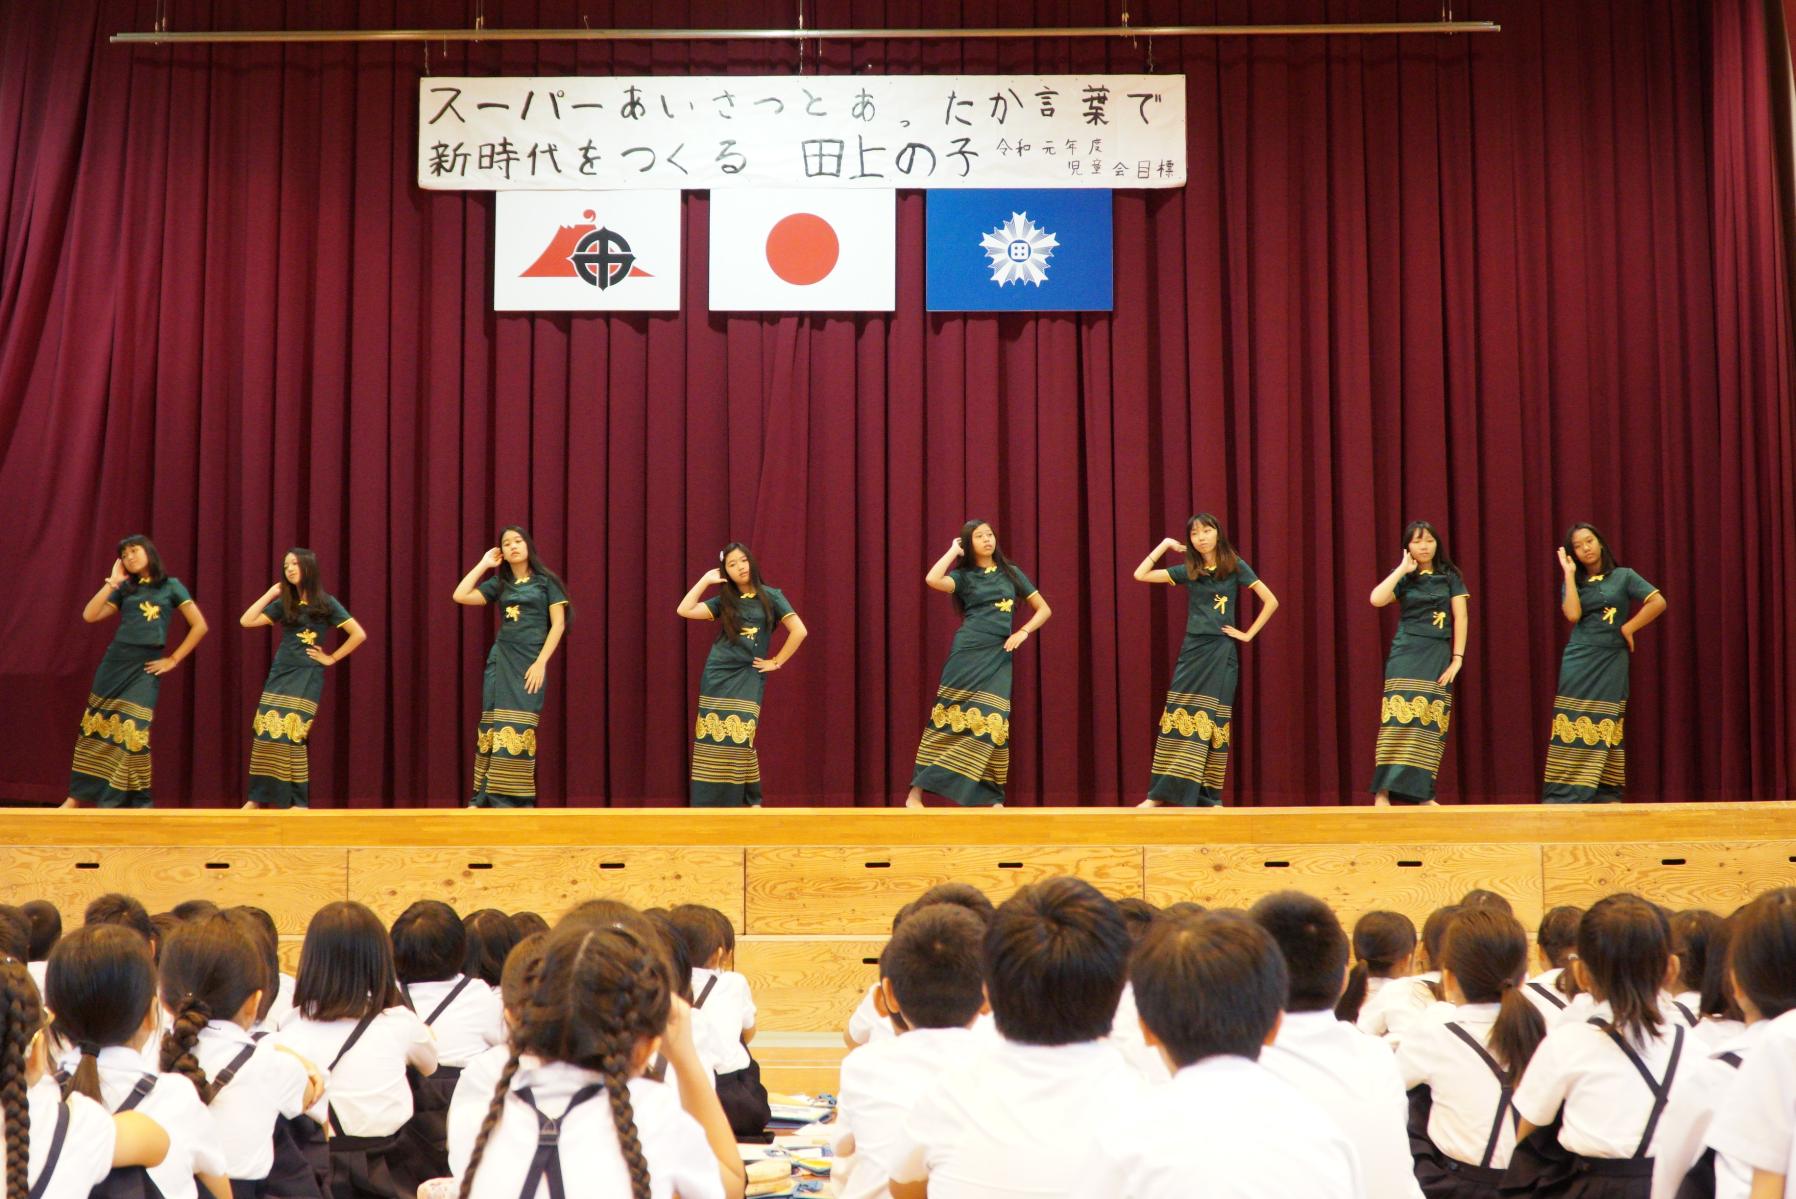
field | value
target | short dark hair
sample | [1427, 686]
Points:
[672, 946]
[429, 943]
[1434, 932]
[695, 926]
[46, 926]
[1762, 951]
[193, 909]
[1625, 945]
[1479, 898]
[114, 908]
[1056, 957]
[1309, 935]
[529, 923]
[1208, 985]
[15, 933]
[1138, 913]
[960, 895]
[491, 937]
[933, 964]
[345, 965]
[100, 984]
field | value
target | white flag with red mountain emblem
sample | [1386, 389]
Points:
[802, 250]
[614, 251]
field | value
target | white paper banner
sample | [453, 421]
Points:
[892, 131]
[587, 251]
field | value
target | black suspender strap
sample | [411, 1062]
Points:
[1505, 1104]
[355, 1035]
[709, 983]
[140, 1091]
[223, 1078]
[1684, 1011]
[547, 1162]
[1547, 993]
[1661, 1088]
[1730, 1057]
[62, 1134]
[447, 1000]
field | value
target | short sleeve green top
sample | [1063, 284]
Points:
[1213, 601]
[144, 612]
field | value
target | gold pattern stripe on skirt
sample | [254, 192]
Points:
[123, 771]
[726, 764]
[123, 707]
[961, 755]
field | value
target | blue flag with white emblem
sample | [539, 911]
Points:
[1020, 250]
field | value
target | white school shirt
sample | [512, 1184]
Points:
[1606, 1103]
[1584, 1007]
[1756, 1124]
[368, 1088]
[1371, 1010]
[1717, 1033]
[194, 1144]
[1466, 1093]
[281, 1010]
[271, 1083]
[1547, 980]
[1223, 1128]
[87, 1147]
[1401, 1003]
[1352, 1077]
[1683, 1129]
[880, 1084]
[37, 970]
[473, 1096]
[1126, 1035]
[468, 1027]
[592, 1162]
[729, 1010]
[866, 1025]
[1014, 1121]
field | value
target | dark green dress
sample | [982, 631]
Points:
[1412, 723]
[965, 751]
[1587, 761]
[505, 745]
[1191, 754]
[280, 774]
[726, 771]
[112, 754]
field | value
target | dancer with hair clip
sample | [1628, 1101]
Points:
[1587, 761]
[213, 980]
[112, 754]
[726, 770]
[1191, 754]
[535, 613]
[101, 985]
[1461, 1071]
[280, 774]
[1420, 669]
[57, 1148]
[600, 1002]
[965, 751]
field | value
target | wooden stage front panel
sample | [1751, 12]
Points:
[812, 891]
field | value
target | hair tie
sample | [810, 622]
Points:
[88, 1048]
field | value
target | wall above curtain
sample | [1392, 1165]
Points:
[1501, 282]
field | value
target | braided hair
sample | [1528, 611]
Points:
[21, 1018]
[598, 992]
[210, 969]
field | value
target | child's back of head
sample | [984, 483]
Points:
[430, 944]
[1384, 944]
[1486, 954]
[1762, 952]
[345, 965]
[1624, 952]
[1056, 957]
[491, 936]
[1309, 935]
[100, 984]
[210, 970]
[933, 965]
[46, 927]
[1208, 985]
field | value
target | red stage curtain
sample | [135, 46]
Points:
[1503, 282]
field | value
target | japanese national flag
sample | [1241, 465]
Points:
[803, 250]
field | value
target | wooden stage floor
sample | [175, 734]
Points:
[812, 891]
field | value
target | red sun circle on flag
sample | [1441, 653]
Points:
[803, 248]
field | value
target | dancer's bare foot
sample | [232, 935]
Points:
[70, 802]
[1382, 800]
[997, 805]
[1432, 803]
[252, 806]
[915, 798]
[1148, 803]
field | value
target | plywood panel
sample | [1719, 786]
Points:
[547, 881]
[1353, 879]
[807, 984]
[839, 890]
[1679, 874]
[290, 883]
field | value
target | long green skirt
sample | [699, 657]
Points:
[1191, 754]
[965, 751]
[1412, 724]
[726, 770]
[280, 773]
[1587, 761]
[112, 754]
[505, 745]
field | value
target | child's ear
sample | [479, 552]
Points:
[1272, 1033]
[1673, 968]
[885, 1000]
[1147, 1034]
[643, 1054]
[1581, 975]
[985, 1001]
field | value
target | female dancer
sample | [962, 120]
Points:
[726, 772]
[279, 769]
[1420, 669]
[965, 751]
[1586, 760]
[535, 614]
[112, 754]
[1191, 755]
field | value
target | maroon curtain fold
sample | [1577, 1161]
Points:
[1502, 282]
